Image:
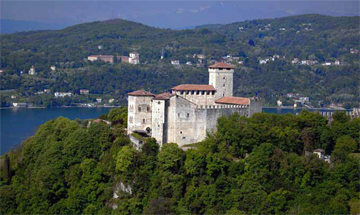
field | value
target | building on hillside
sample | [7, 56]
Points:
[134, 58]
[189, 112]
[175, 62]
[32, 70]
[62, 94]
[93, 58]
[103, 58]
[84, 92]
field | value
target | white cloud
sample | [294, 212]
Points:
[290, 12]
[180, 10]
[195, 11]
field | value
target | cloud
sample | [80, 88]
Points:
[202, 8]
[195, 11]
[291, 12]
[180, 11]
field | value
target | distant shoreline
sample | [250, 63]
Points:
[57, 107]
[283, 107]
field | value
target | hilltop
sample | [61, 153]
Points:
[307, 37]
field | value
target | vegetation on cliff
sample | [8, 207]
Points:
[251, 165]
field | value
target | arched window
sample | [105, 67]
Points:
[139, 109]
[224, 77]
[148, 108]
[187, 115]
[144, 121]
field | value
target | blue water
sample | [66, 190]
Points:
[19, 124]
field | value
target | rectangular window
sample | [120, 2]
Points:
[144, 121]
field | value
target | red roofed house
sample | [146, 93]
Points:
[189, 112]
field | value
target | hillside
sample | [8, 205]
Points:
[307, 37]
[250, 166]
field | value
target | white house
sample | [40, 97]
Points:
[134, 58]
[175, 62]
[62, 94]
[32, 70]
[53, 68]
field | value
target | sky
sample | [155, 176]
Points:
[168, 14]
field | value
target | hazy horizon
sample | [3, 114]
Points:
[169, 14]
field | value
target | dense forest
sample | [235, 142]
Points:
[255, 165]
[307, 37]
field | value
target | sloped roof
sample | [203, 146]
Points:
[233, 100]
[163, 96]
[141, 93]
[222, 65]
[194, 87]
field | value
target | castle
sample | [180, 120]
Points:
[189, 112]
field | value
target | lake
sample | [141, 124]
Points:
[21, 123]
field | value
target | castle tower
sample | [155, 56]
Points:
[221, 78]
[139, 111]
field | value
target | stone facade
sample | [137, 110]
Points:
[190, 112]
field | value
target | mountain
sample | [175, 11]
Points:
[307, 37]
[11, 26]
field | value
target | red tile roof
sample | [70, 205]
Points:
[222, 65]
[233, 100]
[141, 93]
[194, 87]
[163, 96]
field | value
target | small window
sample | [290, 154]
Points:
[144, 121]
[220, 68]
[178, 114]
[187, 115]
[197, 92]
[183, 138]
[139, 109]
[181, 92]
[148, 109]
[180, 132]
[213, 92]
[158, 102]
[159, 125]
[223, 94]
[208, 92]
[223, 85]
[202, 92]
[224, 77]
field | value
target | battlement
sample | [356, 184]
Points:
[212, 107]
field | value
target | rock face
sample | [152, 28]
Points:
[191, 111]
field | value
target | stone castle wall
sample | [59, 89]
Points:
[189, 123]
